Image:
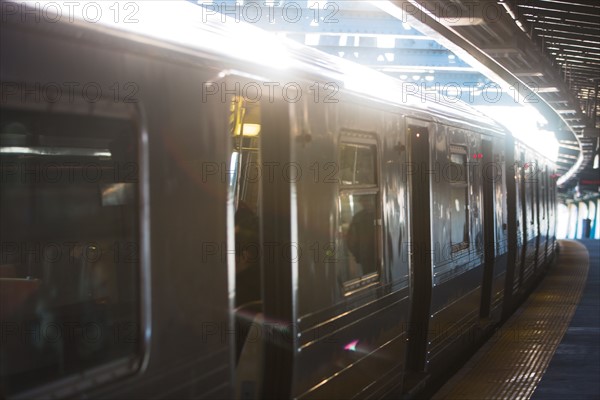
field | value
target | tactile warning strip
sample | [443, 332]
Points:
[513, 361]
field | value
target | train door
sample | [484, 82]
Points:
[529, 185]
[246, 131]
[544, 213]
[263, 278]
[522, 218]
[279, 330]
[420, 251]
[488, 232]
[536, 202]
[516, 224]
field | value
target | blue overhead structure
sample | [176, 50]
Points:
[362, 33]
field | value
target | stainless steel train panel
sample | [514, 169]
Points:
[519, 161]
[334, 323]
[531, 170]
[496, 170]
[363, 346]
[457, 275]
[453, 328]
[182, 330]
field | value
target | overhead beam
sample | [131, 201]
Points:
[572, 8]
[538, 13]
[577, 36]
[553, 24]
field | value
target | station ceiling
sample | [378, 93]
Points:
[550, 46]
[568, 32]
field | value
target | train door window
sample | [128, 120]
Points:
[541, 196]
[69, 262]
[459, 197]
[359, 212]
[245, 180]
[531, 186]
[245, 160]
[544, 191]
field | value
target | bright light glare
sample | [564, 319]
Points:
[320, 4]
[233, 167]
[181, 23]
[368, 81]
[386, 42]
[351, 346]
[251, 129]
[312, 39]
[572, 227]
[524, 123]
[562, 222]
[582, 211]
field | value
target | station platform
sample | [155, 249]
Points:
[550, 348]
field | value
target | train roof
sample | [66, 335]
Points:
[193, 29]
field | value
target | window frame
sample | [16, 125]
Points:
[347, 136]
[463, 151]
[240, 181]
[133, 364]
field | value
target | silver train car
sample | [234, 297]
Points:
[192, 208]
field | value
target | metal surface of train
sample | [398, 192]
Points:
[196, 209]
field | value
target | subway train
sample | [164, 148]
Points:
[193, 208]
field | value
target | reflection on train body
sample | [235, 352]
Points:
[187, 243]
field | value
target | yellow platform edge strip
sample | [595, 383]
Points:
[511, 364]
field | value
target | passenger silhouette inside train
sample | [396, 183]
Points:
[247, 274]
[247, 256]
[361, 235]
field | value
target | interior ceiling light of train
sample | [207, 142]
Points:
[494, 55]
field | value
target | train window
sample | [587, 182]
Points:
[531, 184]
[357, 164]
[546, 193]
[69, 262]
[543, 191]
[245, 164]
[245, 127]
[459, 197]
[245, 161]
[359, 220]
